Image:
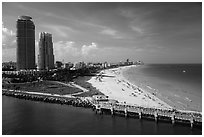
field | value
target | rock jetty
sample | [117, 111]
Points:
[77, 102]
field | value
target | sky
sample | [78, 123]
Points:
[112, 32]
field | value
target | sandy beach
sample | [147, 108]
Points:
[112, 83]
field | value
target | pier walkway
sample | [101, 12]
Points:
[171, 115]
[194, 119]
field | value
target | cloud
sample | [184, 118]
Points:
[128, 13]
[71, 51]
[65, 49]
[87, 49]
[60, 30]
[7, 31]
[8, 54]
[111, 32]
[136, 12]
[8, 37]
[137, 29]
[105, 30]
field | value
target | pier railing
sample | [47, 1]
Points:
[172, 115]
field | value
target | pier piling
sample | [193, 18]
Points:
[126, 113]
[173, 118]
[191, 121]
[112, 110]
[140, 115]
[98, 109]
[148, 113]
[155, 116]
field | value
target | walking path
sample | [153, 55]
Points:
[65, 84]
[73, 85]
[57, 95]
[82, 88]
[45, 94]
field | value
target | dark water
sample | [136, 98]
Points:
[180, 83]
[28, 117]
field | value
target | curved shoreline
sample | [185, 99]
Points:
[88, 102]
[116, 86]
[119, 88]
[178, 100]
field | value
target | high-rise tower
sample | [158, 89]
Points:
[25, 43]
[45, 57]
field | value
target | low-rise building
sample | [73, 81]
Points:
[58, 64]
[79, 65]
[100, 98]
[68, 65]
[9, 65]
[105, 65]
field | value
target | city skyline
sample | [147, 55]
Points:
[151, 32]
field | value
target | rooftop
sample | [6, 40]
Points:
[25, 17]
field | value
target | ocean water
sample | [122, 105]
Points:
[179, 85]
[25, 117]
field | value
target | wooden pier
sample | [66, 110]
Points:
[173, 116]
[194, 119]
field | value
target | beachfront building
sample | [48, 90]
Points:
[122, 63]
[79, 65]
[90, 65]
[68, 65]
[128, 62]
[21, 72]
[139, 63]
[113, 65]
[8, 66]
[58, 65]
[25, 50]
[105, 65]
[100, 98]
[46, 56]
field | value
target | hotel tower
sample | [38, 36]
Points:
[25, 43]
[45, 57]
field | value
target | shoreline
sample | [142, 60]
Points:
[113, 83]
[162, 112]
[178, 95]
[117, 87]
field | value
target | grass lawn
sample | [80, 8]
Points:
[82, 81]
[55, 88]
[44, 87]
